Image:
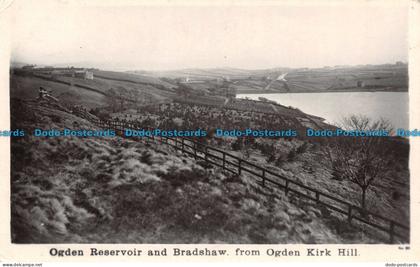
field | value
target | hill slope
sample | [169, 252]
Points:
[105, 190]
[386, 77]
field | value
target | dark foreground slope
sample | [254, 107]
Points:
[106, 190]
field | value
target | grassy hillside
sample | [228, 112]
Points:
[105, 190]
[301, 159]
[387, 77]
[388, 196]
[365, 78]
[141, 79]
[26, 87]
[90, 93]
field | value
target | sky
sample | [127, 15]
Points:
[163, 37]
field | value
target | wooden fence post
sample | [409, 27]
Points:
[286, 187]
[182, 144]
[240, 167]
[317, 196]
[263, 177]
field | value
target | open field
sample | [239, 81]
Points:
[27, 88]
[91, 93]
[329, 79]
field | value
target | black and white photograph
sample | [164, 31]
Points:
[209, 123]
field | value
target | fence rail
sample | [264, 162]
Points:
[237, 165]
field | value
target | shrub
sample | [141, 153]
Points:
[146, 157]
[292, 155]
[183, 176]
[302, 148]
[271, 158]
[237, 145]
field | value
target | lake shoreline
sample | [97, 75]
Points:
[334, 106]
[262, 91]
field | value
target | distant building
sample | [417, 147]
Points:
[84, 74]
[89, 75]
[360, 84]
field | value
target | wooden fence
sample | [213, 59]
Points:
[397, 232]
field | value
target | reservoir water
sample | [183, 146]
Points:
[334, 106]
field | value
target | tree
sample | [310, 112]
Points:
[111, 99]
[361, 160]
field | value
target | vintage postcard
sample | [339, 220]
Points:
[248, 131]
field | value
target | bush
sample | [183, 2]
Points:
[237, 145]
[302, 148]
[292, 155]
[271, 158]
[55, 118]
[183, 176]
[146, 157]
